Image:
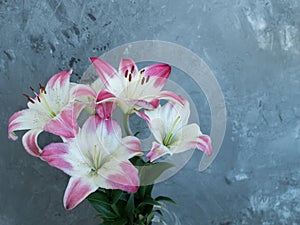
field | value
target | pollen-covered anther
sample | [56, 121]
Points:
[147, 80]
[143, 80]
[126, 73]
[130, 77]
[42, 89]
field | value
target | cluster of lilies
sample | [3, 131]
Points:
[96, 154]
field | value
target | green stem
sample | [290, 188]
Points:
[125, 124]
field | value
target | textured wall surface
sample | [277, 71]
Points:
[253, 48]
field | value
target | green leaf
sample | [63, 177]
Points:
[148, 201]
[164, 198]
[150, 172]
[130, 208]
[100, 202]
[116, 195]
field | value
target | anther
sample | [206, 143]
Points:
[132, 68]
[28, 98]
[147, 79]
[130, 77]
[142, 71]
[126, 73]
[42, 88]
[143, 80]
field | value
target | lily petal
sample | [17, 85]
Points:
[56, 155]
[124, 176]
[108, 75]
[77, 190]
[30, 144]
[25, 120]
[127, 67]
[65, 124]
[158, 73]
[57, 90]
[157, 151]
[171, 96]
[152, 104]
[191, 137]
[106, 104]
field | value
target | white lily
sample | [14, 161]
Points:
[168, 124]
[96, 157]
[54, 109]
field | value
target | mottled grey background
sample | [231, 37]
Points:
[252, 46]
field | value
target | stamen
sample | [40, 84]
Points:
[130, 77]
[147, 79]
[38, 98]
[28, 98]
[132, 68]
[126, 73]
[142, 71]
[143, 80]
[42, 88]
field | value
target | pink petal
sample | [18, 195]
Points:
[106, 108]
[204, 144]
[157, 151]
[132, 146]
[129, 66]
[127, 180]
[105, 71]
[56, 154]
[153, 104]
[24, 120]
[159, 72]
[60, 79]
[65, 123]
[171, 96]
[77, 190]
[82, 90]
[30, 144]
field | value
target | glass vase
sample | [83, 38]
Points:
[167, 218]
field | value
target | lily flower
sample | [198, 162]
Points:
[96, 157]
[54, 110]
[168, 124]
[133, 89]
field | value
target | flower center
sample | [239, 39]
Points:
[167, 141]
[40, 97]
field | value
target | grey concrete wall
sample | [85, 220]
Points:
[253, 48]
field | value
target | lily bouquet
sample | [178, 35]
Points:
[106, 168]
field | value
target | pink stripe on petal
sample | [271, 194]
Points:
[105, 109]
[143, 116]
[61, 77]
[104, 70]
[30, 144]
[157, 151]
[127, 65]
[81, 90]
[77, 190]
[55, 154]
[65, 123]
[171, 96]
[153, 104]
[205, 144]
[133, 145]
[126, 181]
[159, 72]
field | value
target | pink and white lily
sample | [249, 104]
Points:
[54, 110]
[133, 89]
[96, 157]
[168, 124]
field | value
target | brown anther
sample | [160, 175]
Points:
[42, 88]
[28, 98]
[38, 98]
[142, 71]
[147, 79]
[126, 73]
[31, 88]
[143, 80]
[130, 77]
[132, 68]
